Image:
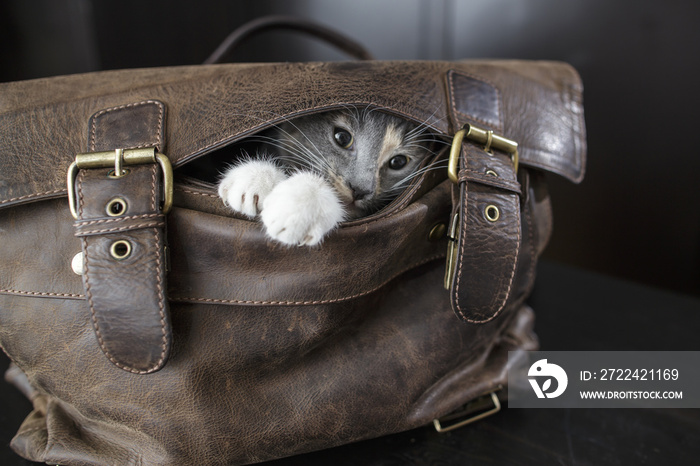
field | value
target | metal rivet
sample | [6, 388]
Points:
[437, 232]
[77, 264]
[492, 173]
[116, 207]
[492, 213]
[120, 250]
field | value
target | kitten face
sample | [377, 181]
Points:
[367, 156]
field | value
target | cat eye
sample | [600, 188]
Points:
[343, 138]
[397, 162]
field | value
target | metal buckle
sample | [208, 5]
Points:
[480, 136]
[118, 159]
[477, 405]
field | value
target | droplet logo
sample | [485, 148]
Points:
[544, 370]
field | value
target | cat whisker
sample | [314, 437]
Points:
[295, 152]
[423, 126]
[353, 112]
[401, 184]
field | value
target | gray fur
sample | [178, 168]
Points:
[361, 174]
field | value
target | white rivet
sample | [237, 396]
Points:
[77, 264]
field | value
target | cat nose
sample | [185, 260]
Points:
[359, 194]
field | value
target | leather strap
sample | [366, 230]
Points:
[486, 206]
[122, 230]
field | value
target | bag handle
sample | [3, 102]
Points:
[267, 23]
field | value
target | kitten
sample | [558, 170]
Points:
[328, 167]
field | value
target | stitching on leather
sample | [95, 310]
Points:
[96, 116]
[159, 280]
[160, 137]
[29, 196]
[124, 228]
[462, 240]
[42, 294]
[159, 285]
[116, 220]
[161, 303]
[308, 303]
[190, 191]
[456, 112]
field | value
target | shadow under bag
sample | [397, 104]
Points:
[190, 338]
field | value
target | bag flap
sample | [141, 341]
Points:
[45, 122]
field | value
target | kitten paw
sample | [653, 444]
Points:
[244, 187]
[301, 210]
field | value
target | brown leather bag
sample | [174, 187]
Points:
[190, 338]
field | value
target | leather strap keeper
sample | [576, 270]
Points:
[122, 230]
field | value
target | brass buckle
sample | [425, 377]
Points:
[480, 136]
[475, 405]
[119, 158]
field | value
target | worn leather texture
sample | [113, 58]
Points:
[210, 344]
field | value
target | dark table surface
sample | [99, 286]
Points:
[576, 311]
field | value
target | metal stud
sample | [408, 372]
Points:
[492, 213]
[116, 207]
[120, 250]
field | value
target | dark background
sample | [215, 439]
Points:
[635, 216]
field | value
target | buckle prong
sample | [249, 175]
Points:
[118, 159]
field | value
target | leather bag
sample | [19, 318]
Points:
[190, 338]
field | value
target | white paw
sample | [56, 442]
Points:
[244, 187]
[301, 210]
